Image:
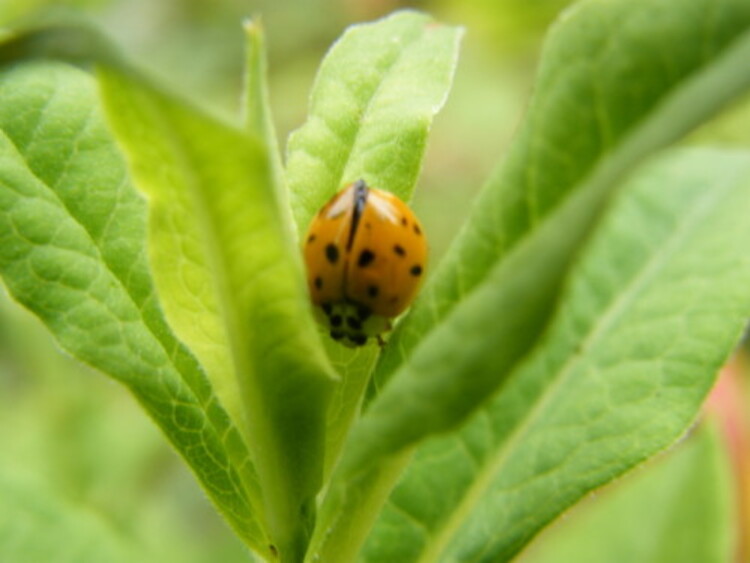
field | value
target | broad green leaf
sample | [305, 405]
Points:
[72, 250]
[218, 183]
[38, 525]
[618, 79]
[371, 108]
[370, 111]
[456, 365]
[676, 509]
[647, 318]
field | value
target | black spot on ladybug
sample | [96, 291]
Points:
[373, 291]
[368, 225]
[332, 253]
[417, 230]
[318, 282]
[354, 323]
[337, 334]
[327, 308]
[336, 320]
[394, 299]
[358, 339]
[365, 258]
[398, 249]
[363, 312]
[310, 239]
[416, 270]
[404, 222]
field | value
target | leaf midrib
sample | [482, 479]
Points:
[701, 208]
[218, 269]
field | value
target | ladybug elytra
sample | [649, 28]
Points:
[366, 255]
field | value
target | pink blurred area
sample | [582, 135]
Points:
[728, 403]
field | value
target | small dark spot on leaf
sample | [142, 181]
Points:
[354, 323]
[416, 270]
[332, 253]
[365, 258]
[336, 320]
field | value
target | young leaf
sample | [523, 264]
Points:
[218, 182]
[434, 391]
[370, 110]
[648, 317]
[676, 509]
[72, 250]
[258, 118]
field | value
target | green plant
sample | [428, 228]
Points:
[572, 331]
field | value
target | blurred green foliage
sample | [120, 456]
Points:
[57, 417]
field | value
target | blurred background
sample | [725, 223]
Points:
[72, 435]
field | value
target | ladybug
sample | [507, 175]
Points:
[366, 255]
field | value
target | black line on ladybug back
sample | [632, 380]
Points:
[360, 201]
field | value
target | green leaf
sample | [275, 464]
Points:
[258, 118]
[601, 102]
[676, 509]
[507, 266]
[371, 108]
[216, 184]
[38, 525]
[649, 315]
[370, 111]
[72, 250]
[346, 402]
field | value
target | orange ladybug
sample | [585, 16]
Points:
[366, 256]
